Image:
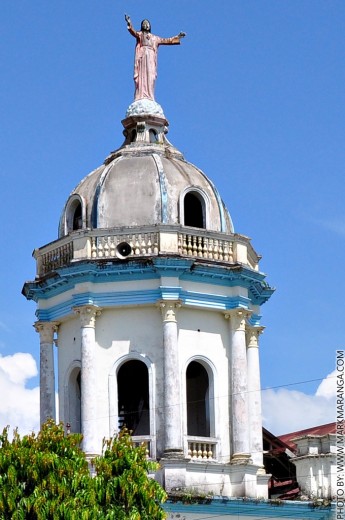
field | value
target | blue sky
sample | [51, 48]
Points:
[255, 97]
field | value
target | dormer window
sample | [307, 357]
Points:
[74, 215]
[77, 218]
[153, 136]
[194, 210]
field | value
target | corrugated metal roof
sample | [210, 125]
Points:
[323, 429]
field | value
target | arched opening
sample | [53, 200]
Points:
[198, 406]
[153, 136]
[74, 214]
[133, 397]
[77, 217]
[194, 210]
[74, 401]
[133, 136]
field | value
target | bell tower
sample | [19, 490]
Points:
[153, 302]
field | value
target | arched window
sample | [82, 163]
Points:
[194, 210]
[77, 218]
[133, 397]
[198, 402]
[74, 400]
[153, 136]
[74, 214]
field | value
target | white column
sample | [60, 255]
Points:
[89, 418]
[46, 331]
[238, 386]
[173, 446]
[254, 395]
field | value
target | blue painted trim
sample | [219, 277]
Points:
[241, 507]
[254, 320]
[146, 269]
[163, 188]
[144, 297]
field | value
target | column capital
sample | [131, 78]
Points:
[169, 309]
[237, 317]
[46, 330]
[253, 334]
[87, 314]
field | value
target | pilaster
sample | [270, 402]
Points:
[46, 331]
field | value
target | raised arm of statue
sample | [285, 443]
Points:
[145, 62]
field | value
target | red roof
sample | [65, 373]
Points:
[324, 429]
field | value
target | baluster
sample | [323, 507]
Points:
[195, 246]
[100, 248]
[210, 452]
[136, 245]
[184, 247]
[199, 451]
[106, 247]
[112, 246]
[231, 252]
[200, 247]
[149, 244]
[220, 250]
[205, 452]
[93, 248]
[205, 248]
[143, 244]
[210, 248]
[215, 250]
[189, 245]
[226, 251]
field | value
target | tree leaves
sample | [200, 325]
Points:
[46, 477]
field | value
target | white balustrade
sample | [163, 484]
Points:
[100, 244]
[201, 449]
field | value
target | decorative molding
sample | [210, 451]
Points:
[87, 314]
[252, 335]
[237, 318]
[169, 309]
[46, 330]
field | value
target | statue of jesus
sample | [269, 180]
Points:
[145, 62]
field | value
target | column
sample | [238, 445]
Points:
[254, 395]
[89, 418]
[238, 386]
[173, 446]
[46, 331]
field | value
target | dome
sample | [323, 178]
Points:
[145, 182]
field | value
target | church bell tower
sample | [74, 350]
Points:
[153, 303]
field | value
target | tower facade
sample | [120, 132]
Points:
[153, 302]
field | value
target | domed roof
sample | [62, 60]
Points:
[145, 182]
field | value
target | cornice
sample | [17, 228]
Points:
[67, 278]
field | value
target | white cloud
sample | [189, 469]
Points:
[327, 388]
[19, 405]
[286, 411]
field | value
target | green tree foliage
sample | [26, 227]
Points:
[46, 477]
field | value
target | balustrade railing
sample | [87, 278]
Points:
[202, 246]
[142, 244]
[150, 241]
[144, 440]
[58, 257]
[202, 449]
